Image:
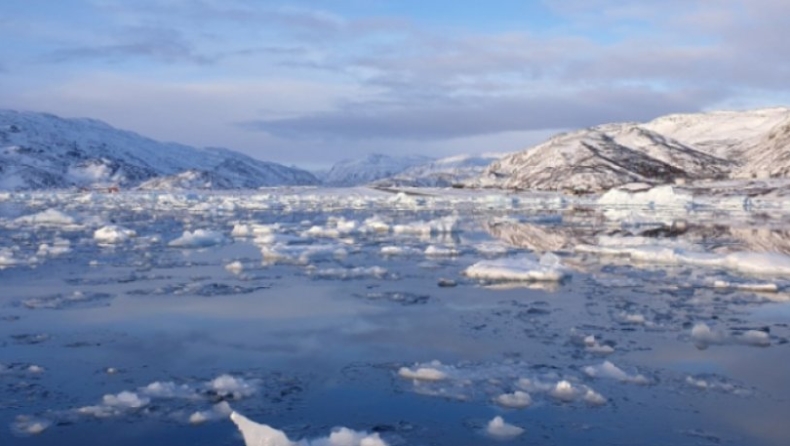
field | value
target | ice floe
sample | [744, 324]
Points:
[113, 234]
[256, 434]
[498, 428]
[608, 370]
[703, 336]
[199, 238]
[520, 268]
[516, 400]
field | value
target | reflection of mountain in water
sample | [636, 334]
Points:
[539, 238]
[712, 237]
[763, 239]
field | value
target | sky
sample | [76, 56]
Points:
[308, 83]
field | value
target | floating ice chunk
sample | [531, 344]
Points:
[58, 247]
[398, 251]
[422, 373]
[611, 371]
[50, 217]
[759, 263]
[375, 224]
[564, 391]
[7, 258]
[230, 386]
[125, 400]
[755, 338]
[235, 267]
[593, 346]
[25, 425]
[594, 398]
[500, 429]
[256, 434]
[168, 389]
[114, 405]
[516, 269]
[253, 230]
[200, 238]
[703, 336]
[757, 287]
[113, 234]
[439, 251]
[259, 434]
[35, 369]
[219, 411]
[352, 273]
[446, 225]
[516, 400]
[632, 318]
[624, 205]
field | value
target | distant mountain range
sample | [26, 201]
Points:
[43, 151]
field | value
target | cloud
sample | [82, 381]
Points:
[473, 116]
[161, 44]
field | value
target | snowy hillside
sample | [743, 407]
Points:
[371, 168]
[600, 158]
[770, 156]
[44, 151]
[444, 172]
[726, 134]
[670, 149]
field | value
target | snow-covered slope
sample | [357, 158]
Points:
[371, 168]
[726, 134]
[600, 158]
[672, 148]
[44, 151]
[444, 172]
[769, 157]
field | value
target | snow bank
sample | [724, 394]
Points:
[256, 434]
[200, 238]
[113, 234]
[500, 429]
[519, 269]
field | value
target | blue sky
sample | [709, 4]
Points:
[310, 82]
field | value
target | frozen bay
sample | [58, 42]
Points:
[143, 318]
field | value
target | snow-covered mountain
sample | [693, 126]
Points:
[443, 172]
[669, 149]
[370, 168]
[770, 156]
[40, 150]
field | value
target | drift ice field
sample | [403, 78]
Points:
[365, 317]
